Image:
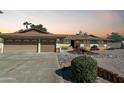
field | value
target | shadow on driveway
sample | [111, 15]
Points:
[65, 73]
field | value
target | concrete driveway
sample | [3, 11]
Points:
[29, 68]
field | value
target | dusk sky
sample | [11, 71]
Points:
[94, 22]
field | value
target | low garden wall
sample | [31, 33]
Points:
[110, 76]
[115, 45]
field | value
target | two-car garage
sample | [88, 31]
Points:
[28, 46]
[29, 41]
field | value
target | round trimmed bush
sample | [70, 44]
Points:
[94, 48]
[84, 69]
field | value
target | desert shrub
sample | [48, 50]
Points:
[94, 48]
[83, 49]
[84, 69]
[110, 49]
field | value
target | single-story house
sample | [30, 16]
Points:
[33, 40]
[30, 40]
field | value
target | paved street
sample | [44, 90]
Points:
[29, 68]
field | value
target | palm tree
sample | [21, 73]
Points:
[26, 24]
[39, 27]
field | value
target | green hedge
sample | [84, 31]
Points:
[84, 69]
[94, 48]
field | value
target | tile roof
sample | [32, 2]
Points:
[79, 37]
[35, 34]
[29, 34]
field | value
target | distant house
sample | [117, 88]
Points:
[35, 41]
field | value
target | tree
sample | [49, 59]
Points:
[44, 29]
[39, 27]
[26, 24]
[115, 37]
[21, 30]
[82, 33]
[85, 34]
[32, 26]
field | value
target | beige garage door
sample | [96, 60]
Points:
[48, 46]
[20, 48]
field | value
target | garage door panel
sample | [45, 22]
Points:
[48, 48]
[20, 48]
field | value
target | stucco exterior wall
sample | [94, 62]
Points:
[104, 46]
[114, 45]
[81, 45]
[1, 45]
[94, 44]
[62, 45]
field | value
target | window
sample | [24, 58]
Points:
[105, 41]
[51, 41]
[93, 41]
[58, 40]
[82, 42]
[64, 41]
[9, 40]
[44, 41]
[17, 40]
[34, 40]
[26, 40]
[86, 41]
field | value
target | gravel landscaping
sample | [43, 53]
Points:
[112, 60]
